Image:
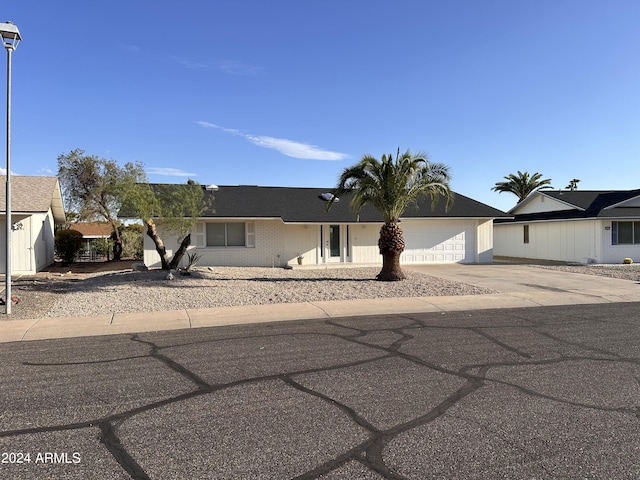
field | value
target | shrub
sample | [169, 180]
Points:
[627, 261]
[67, 244]
[132, 241]
[193, 259]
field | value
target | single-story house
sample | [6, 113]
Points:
[36, 208]
[250, 225]
[92, 232]
[586, 226]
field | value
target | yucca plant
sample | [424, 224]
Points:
[192, 260]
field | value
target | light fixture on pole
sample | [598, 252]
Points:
[10, 39]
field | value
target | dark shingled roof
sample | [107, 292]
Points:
[585, 204]
[304, 205]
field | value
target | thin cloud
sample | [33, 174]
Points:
[226, 130]
[233, 67]
[170, 172]
[191, 64]
[290, 148]
[229, 67]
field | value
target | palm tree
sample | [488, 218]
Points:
[390, 186]
[573, 184]
[521, 185]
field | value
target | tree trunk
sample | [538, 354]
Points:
[117, 249]
[175, 261]
[152, 232]
[117, 240]
[391, 245]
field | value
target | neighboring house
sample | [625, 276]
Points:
[92, 232]
[574, 226]
[36, 208]
[273, 226]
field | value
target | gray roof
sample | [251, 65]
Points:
[583, 204]
[33, 195]
[304, 205]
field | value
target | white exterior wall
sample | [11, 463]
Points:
[616, 253]
[300, 240]
[447, 241]
[539, 203]
[570, 241]
[268, 251]
[364, 243]
[43, 234]
[484, 242]
[278, 244]
[32, 243]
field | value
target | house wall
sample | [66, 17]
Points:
[299, 240]
[32, 247]
[267, 252]
[447, 241]
[616, 253]
[540, 203]
[572, 241]
[484, 242]
[278, 244]
[43, 231]
[364, 243]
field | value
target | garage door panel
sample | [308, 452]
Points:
[438, 242]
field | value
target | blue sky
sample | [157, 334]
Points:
[290, 92]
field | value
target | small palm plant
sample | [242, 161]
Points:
[192, 260]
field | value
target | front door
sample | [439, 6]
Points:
[331, 243]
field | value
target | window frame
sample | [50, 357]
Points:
[634, 230]
[249, 235]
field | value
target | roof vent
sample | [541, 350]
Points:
[212, 188]
[328, 197]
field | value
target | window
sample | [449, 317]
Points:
[525, 231]
[236, 234]
[625, 233]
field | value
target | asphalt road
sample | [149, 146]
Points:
[548, 392]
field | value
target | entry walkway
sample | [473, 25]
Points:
[516, 286]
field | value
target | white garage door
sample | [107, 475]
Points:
[437, 241]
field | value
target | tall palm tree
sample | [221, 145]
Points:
[522, 184]
[390, 186]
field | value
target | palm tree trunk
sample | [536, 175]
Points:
[391, 245]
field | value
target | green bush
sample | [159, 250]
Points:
[67, 244]
[132, 241]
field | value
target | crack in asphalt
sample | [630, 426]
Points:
[369, 453]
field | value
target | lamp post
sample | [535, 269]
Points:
[10, 39]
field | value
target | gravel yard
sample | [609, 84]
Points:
[122, 292]
[89, 294]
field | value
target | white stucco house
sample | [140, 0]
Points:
[273, 226]
[36, 208]
[584, 226]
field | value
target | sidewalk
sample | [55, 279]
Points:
[518, 286]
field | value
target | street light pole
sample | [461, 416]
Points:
[10, 38]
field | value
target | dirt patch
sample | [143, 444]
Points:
[86, 268]
[39, 292]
